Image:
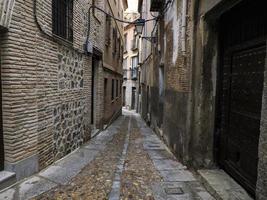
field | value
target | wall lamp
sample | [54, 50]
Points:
[139, 26]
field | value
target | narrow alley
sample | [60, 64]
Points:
[127, 161]
[133, 99]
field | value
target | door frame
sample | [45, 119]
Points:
[96, 60]
[220, 152]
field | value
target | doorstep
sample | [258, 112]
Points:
[222, 186]
[6, 179]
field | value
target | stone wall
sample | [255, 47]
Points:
[68, 127]
[70, 69]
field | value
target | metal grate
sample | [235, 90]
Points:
[62, 18]
[174, 191]
[6, 9]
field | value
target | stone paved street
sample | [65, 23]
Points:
[126, 161]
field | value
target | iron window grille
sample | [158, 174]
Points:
[117, 88]
[112, 90]
[62, 19]
[114, 41]
[108, 28]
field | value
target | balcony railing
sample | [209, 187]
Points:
[6, 9]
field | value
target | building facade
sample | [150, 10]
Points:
[52, 87]
[130, 63]
[113, 61]
[204, 87]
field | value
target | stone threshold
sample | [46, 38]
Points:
[6, 179]
[222, 186]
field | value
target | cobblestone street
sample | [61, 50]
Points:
[127, 161]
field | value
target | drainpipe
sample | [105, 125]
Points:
[183, 37]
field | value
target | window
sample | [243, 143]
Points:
[62, 18]
[112, 90]
[105, 87]
[134, 61]
[119, 47]
[121, 58]
[125, 63]
[120, 86]
[114, 41]
[108, 25]
[125, 42]
[117, 88]
[134, 67]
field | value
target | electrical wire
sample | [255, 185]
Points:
[165, 9]
[155, 18]
[115, 18]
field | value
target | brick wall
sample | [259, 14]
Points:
[112, 62]
[46, 84]
[112, 107]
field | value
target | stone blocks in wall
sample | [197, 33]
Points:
[70, 69]
[68, 127]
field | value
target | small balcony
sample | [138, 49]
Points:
[6, 8]
[156, 5]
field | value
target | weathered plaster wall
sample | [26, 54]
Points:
[203, 93]
[177, 72]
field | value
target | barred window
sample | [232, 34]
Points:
[117, 88]
[62, 18]
[112, 89]
[108, 27]
[119, 47]
[114, 41]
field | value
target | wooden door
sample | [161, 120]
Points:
[243, 42]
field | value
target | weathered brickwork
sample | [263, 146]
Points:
[192, 66]
[46, 83]
[112, 108]
[112, 62]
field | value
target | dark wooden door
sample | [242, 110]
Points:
[243, 42]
